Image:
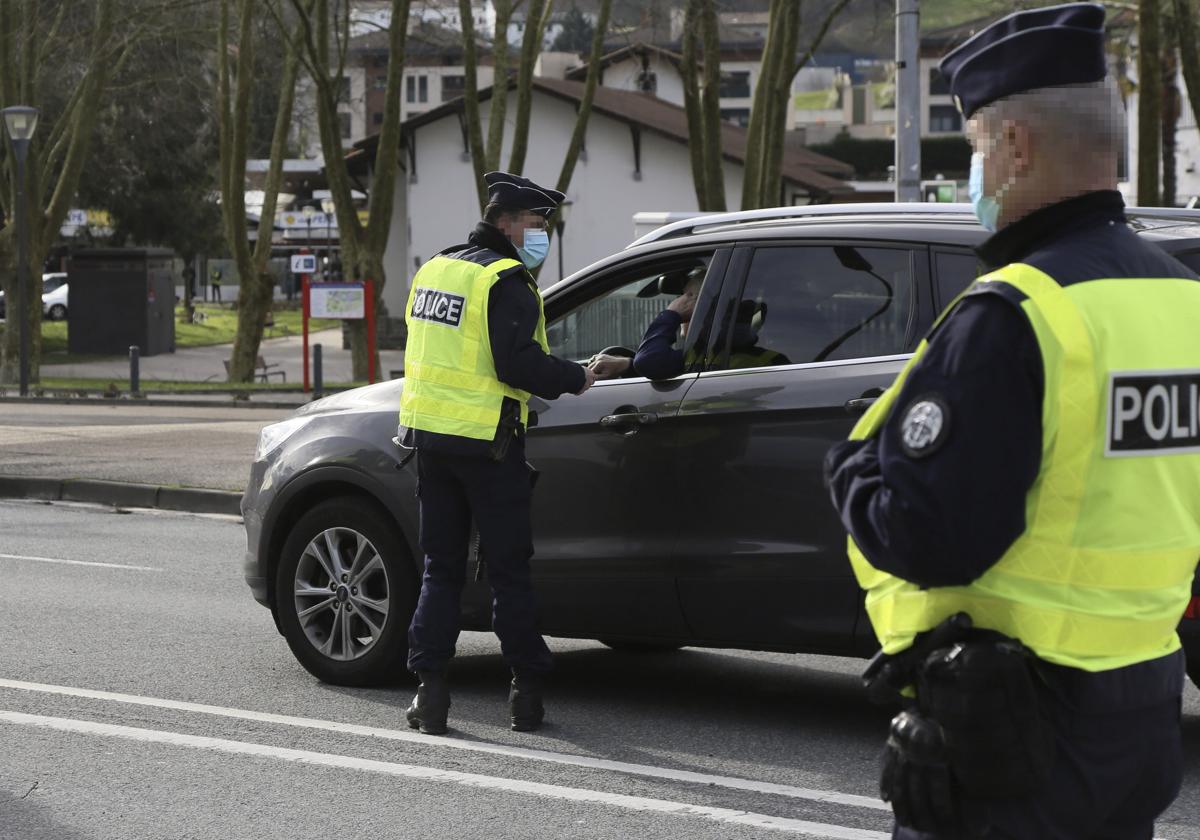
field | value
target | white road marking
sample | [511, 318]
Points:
[731, 782]
[78, 562]
[433, 774]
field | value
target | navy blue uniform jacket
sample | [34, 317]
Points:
[944, 519]
[520, 361]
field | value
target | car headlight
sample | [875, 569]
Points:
[272, 437]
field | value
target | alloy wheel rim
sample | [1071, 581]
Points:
[341, 593]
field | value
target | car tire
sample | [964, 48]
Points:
[626, 646]
[58, 312]
[334, 641]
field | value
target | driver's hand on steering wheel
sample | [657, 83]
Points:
[609, 367]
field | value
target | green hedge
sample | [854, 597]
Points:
[949, 156]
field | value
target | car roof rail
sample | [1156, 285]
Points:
[686, 227]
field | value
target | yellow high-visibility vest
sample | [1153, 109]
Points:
[450, 384]
[1102, 574]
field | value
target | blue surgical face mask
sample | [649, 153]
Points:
[537, 245]
[987, 208]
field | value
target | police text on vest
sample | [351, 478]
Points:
[439, 307]
[1153, 412]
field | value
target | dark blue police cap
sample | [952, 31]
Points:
[1039, 48]
[519, 193]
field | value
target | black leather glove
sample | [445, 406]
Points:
[916, 776]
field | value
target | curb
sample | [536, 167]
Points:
[121, 494]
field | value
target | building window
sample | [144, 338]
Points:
[377, 118]
[938, 86]
[737, 116]
[344, 89]
[380, 82]
[417, 88]
[944, 118]
[345, 121]
[735, 85]
[453, 87]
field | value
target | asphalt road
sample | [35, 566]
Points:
[201, 446]
[143, 694]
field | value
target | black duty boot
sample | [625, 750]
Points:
[525, 702]
[429, 708]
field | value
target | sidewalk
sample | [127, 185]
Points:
[206, 364]
[160, 446]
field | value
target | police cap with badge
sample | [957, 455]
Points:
[1038, 48]
[519, 193]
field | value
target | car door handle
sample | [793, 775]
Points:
[628, 423]
[862, 403]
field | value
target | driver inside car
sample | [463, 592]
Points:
[657, 357]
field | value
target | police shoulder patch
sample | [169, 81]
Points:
[925, 426]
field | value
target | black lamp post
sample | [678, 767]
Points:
[20, 121]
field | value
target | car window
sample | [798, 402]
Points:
[955, 271]
[818, 303]
[617, 316]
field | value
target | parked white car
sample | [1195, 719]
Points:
[54, 296]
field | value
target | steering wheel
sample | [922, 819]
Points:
[617, 350]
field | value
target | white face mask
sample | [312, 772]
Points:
[987, 207]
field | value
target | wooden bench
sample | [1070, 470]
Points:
[262, 370]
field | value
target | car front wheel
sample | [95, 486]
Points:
[58, 312]
[345, 591]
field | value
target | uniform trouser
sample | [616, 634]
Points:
[1112, 775]
[454, 490]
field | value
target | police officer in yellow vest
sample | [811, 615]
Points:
[1024, 502]
[476, 352]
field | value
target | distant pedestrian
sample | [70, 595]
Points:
[214, 282]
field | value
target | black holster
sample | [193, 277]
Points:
[980, 688]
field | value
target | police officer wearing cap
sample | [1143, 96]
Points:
[1023, 502]
[476, 352]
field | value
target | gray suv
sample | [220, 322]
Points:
[689, 511]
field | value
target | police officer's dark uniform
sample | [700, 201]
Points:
[476, 351]
[1009, 476]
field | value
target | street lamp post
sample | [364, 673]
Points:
[327, 207]
[20, 121]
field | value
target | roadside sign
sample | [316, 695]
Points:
[337, 300]
[305, 264]
[939, 191]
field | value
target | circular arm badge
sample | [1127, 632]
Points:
[925, 426]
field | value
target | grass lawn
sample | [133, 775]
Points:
[218, 326]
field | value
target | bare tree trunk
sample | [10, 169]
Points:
[1149, 102]
[1170, 110]
[471, 101]
[56, 155]
[256, 287]
[362, 247]
[756, 131]
[499, 110]
[691, 102]
[777, 97]
[589, 94]
[714, 175]
[536, 18]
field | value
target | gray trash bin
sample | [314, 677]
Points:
[120, 297]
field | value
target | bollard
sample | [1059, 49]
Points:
[317, 372]
[135, 353]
